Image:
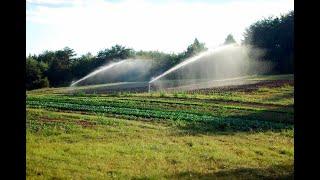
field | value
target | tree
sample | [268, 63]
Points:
[195, 48]
[60, 63]
[46, 56]
[275, 36]
[82, 66]
[229, 40]
[34, 74]
[116, 52]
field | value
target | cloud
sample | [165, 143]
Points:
[166, 26]
[52, 2]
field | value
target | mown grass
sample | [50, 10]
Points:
[178, 135]
[127, 149]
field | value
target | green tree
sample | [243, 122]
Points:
[229, 40]
[275, 36]
[35, 74]
[115, 52]
[82, 66]
[59, 72]
[46, 56]
[195, 48]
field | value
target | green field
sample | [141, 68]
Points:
[160, 135]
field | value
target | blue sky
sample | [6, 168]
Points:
[169, 26]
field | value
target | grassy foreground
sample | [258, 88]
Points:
[225, 135]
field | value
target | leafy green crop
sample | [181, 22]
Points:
[232, 123]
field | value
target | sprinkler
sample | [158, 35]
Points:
[149, 87]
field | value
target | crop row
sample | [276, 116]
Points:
[219, 111]
[156, 102]
[234, 123]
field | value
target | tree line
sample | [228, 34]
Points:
[275, 35]
[61, 67]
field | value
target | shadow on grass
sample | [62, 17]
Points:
[274, 172]
[258, 121]
[284, 114]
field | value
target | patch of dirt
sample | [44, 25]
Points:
[82, 123]
[47, 119]
[85, 123]
[143, 87]
[245, 87]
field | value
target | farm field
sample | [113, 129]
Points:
[230, 132]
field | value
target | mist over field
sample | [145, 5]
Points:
[127, 70]
[230, 61]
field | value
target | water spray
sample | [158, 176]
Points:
[191, 60]
[98, 71]
[224, 65]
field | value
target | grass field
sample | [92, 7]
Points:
[244, 133]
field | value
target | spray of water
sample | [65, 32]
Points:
[127, 70]
[104, 68]
[230, 63]
[189, 61]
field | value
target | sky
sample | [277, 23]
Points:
[167, 26]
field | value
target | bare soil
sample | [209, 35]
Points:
[244, 87]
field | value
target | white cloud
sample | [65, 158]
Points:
[53, 2]
[89, 26]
